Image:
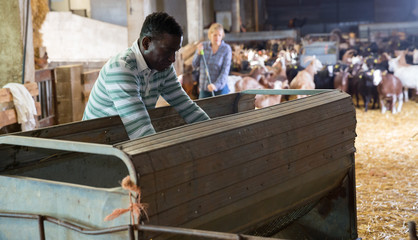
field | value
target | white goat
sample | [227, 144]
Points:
[408, 75]
[305, 78]
[261, 100]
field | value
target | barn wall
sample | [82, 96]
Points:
[12, 22]
[110, 11]
[69, 37]
[325, 15]
[10, 43]
[68, 5]
[177, 9]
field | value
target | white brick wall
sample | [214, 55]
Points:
[69, 37]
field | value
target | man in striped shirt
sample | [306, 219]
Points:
[131, 82]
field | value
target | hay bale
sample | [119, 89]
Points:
[39, 11]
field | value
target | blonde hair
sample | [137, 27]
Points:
[216, 27]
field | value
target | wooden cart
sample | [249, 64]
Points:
[285, 171]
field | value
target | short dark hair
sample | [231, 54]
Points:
[158, 23]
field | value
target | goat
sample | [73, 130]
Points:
[367, 89]
[260, 100]
[305, 78]
[189, 85]
[341, 80]
[324, 78]
[406, 73]
[389, 87]
[279, 68]
[256, 72]
[353, 80]
[348, 55]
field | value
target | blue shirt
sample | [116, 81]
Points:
[218, 63]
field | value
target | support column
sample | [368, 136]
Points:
[30, 54]
[235, 16]
[194, 21]
[138, 10]
[256, 15]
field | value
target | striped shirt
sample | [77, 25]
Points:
[127, 87]
[218, 64]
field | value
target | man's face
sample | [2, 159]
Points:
[160, 52]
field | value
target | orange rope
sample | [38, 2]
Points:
[135, 208]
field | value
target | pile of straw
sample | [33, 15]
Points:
[387, 172]
[39, 11]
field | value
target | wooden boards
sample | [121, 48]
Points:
[69, 93]
[110, 130]
[233, 172]
[8, 113]
[202, 174]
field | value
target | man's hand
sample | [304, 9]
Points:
[211, 87]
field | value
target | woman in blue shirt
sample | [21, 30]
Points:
[218, 57]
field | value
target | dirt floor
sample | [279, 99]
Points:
[387, 172]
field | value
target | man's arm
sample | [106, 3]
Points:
[174, 94]
[123, 89]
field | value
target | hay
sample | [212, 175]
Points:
[39, 11]
[386, 172]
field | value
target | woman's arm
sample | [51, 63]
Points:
[197, 56]
[222, 79]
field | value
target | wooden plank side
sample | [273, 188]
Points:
[47, 97]
[38, 108]
[8, 117]
[249, 188]
[278, 200]
[84, 129]
[44, 75]
[69, 93]
[228, 136]
[300, 138]
[6, 94]
[225, 141]
[257, 115]
[87, 80]
[32, 88]
[188, 153]
[45, 122]
[254, 166]
[106, 130]
[164, 118]
[198, 130]
[15, 157]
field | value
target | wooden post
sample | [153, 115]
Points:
[70, 106]
[235, 16]
[194, 20]
[256, 15]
